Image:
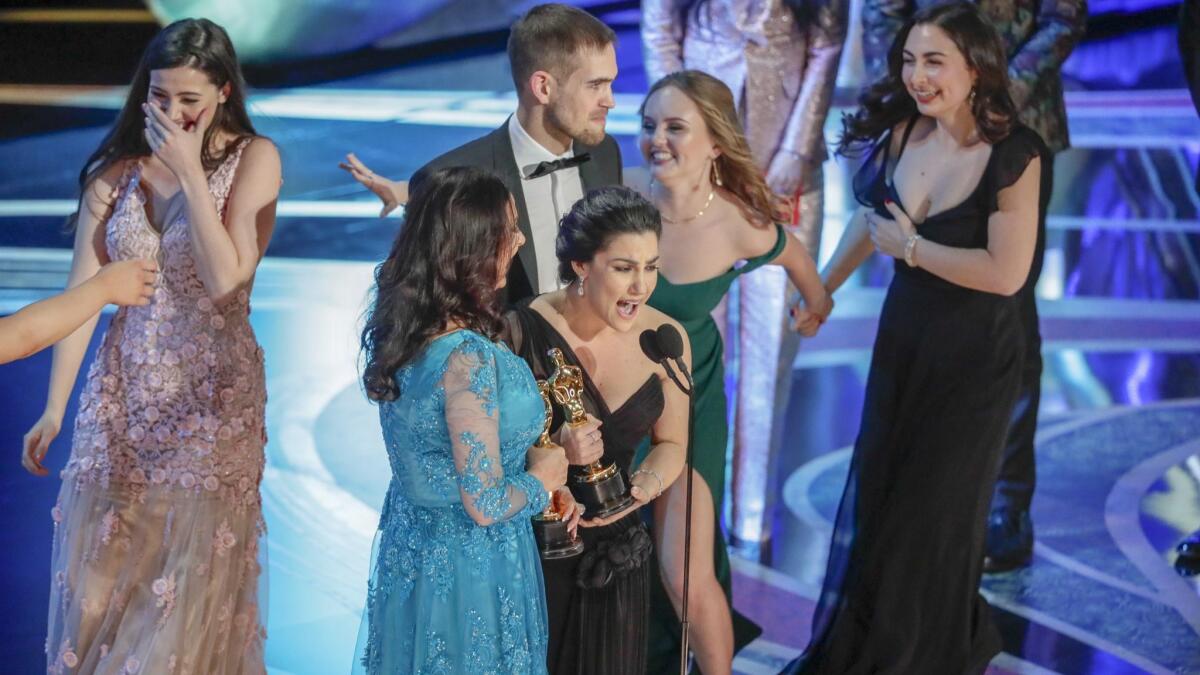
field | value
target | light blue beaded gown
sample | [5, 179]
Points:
[447, 594]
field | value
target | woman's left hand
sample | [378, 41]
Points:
[788, 175]
[567, 508]
[890, 236]
[175, 146]
[641, 494]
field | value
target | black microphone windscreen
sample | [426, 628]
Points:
[649, 342]
[670, 342]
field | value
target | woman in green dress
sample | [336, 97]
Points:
[718, 223]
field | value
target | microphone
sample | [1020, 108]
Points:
[670, 343]
[663, 346]
[649, 342]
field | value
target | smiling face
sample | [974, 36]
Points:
[578, 105]
[935, 72]
[183, 93]
[675, 141]
[620, 278]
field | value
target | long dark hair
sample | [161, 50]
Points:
[194, 43]
[443, 269]
[594, 221]
[887, 102]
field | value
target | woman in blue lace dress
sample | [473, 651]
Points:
[457, 583]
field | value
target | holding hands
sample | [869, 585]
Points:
[179, 147]
[392, 193]
[808, 320]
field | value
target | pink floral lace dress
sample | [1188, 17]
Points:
[155, 566]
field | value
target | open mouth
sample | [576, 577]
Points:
[627, 309]
[660, 157]
[924, 97]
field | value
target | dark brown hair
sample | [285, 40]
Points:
[549, 37]
[194, 43]
[594, 221]
[443, 269]
[887, 102]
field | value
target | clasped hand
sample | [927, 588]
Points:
[890, 236]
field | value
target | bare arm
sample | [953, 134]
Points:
[89, 255]
[662, 39]
[669, 437]
[227, 253]
[43, 323]
[852, 250]
[802, 272]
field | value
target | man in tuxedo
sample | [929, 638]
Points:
[553, 149]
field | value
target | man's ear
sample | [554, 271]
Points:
[542, 86]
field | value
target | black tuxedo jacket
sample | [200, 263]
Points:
[494, 152]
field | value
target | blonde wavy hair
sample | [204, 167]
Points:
[739, 174]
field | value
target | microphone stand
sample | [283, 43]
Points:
[687, 529]
[652, 349]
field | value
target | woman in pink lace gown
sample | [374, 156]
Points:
[155, 566]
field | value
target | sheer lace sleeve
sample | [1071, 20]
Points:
[473, 420]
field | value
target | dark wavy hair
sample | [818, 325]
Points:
[598, 218]
[194, 43]
[443, 269]
[887, 103]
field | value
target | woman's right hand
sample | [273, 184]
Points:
[37, 442]
[128, 282]
[548, 465]
[584, 444]
[391, 193]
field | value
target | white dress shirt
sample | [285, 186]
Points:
[547, 199]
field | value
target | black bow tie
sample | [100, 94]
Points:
[546, 168]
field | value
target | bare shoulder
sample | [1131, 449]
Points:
[261, 150]
[101, 190]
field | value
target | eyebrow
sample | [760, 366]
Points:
[600, 80]
[634, 262]
[926, 54]
[666, 119]
[182, 93]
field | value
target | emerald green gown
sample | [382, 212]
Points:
[692, 305]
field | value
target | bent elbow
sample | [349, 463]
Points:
[1008, 286]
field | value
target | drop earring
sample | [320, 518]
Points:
[579, 291]
[716, 174]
